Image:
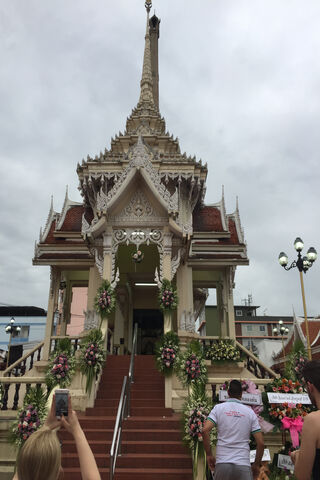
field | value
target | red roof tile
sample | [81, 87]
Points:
[73, 219]
[313, 327]
[207, 219]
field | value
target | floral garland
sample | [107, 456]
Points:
[105, 300]
[222, 351]
[167, 350]
[92, 356]
[276, 412]
[168, 297]
[195, 413]
[138, 256]
[191, 367]
[61, 366]
[30, 417]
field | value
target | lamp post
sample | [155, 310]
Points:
[13, 330]
[303, 264]
[281, 330]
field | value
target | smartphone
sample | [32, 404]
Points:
[62, 395]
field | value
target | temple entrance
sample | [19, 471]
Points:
[150, 328]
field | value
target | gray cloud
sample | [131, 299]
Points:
[239, 86]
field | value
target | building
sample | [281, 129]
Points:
[253, 331]
[142, 193]
[32, 323]
[299, 333]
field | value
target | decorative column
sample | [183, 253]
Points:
[92, 320]
[167, 252]
[107, 271]
[229, 274]
[52, 306]
[107, 255]
[185, 294]
[221, 307]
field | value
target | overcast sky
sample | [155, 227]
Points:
[239, 87]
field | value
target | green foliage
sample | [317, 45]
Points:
[168, 297]
[30, 417]
[191, 367]
[92, 356]
[167, 350]
[61, 366]
[105, 300]
[296, 361]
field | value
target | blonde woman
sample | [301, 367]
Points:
[40, 456]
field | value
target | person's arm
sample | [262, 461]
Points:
[88, 466]
[259, 454]
[209, 424]
[303, 459]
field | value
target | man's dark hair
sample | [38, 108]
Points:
[311, 373]
[235, 389]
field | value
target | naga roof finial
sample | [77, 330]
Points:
[148, 5]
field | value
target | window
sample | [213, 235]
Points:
[262, 328]
[239, 313]
[249, 328]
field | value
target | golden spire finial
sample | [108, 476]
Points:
[148, 5]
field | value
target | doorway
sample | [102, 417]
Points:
[150, 329]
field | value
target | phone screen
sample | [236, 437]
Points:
[61, 402]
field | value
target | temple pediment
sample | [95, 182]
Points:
[140, 163]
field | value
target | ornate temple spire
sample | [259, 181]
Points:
[146, 84]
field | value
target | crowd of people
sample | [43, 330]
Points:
[40, 456]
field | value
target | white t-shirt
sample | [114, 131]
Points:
[235, 422]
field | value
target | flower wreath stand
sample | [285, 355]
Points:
[105, 302]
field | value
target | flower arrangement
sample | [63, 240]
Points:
[61, 366]
[92, 356]
[167, 350]
[168, 297]
[105, 300]
[222, 351]
[191, 367]
[30, 416]
[137, 257]
[299, 365]
[195, 412]
[276, 412]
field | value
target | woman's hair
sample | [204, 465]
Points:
[311, 373]
[40, 456]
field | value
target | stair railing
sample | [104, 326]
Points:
[123, 407]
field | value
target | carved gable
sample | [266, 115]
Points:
[139, 210]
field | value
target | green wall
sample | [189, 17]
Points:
[213, 326]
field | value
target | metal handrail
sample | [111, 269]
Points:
[123, 407]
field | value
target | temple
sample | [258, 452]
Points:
[142, 194]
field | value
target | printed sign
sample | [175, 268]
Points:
[247, 398]
[285, 462]
[265, 458]
[275, 397]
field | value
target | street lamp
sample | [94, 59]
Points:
[303, 264]
[13, 330]
[281, 330]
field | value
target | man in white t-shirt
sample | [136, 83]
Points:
[235, 423]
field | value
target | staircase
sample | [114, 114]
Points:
[151, 438]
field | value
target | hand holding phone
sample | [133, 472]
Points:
[61, 396]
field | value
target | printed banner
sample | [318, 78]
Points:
[247, 398]
[285, 462]
[265, 458]
[275, 397]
